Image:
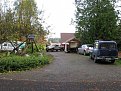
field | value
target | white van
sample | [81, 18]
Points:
[6, 46]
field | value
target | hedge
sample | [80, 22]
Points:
[19, 63]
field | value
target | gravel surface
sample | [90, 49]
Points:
[71, 72]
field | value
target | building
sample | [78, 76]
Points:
[69, 42]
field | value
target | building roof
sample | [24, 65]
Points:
[73, 39]
[66, 36]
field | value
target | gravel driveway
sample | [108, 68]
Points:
[77, 70]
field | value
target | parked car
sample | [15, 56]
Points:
[85, 49]
[21, 44]
[6, 46]
[54, 48]
[104, 51]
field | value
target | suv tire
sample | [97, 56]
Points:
[95, 60]
[112, 61]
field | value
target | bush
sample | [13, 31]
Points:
[118, 62]
[19, 63]
[44, 60]
[39, 46]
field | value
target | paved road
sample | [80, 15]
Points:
[68, 72]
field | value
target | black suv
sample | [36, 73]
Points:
[104, 51]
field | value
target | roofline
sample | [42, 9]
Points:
[69, 39]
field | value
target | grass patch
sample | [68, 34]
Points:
[118, 62]
[20, 63]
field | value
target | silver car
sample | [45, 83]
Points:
[85, 49]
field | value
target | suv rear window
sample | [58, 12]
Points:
[108, 46]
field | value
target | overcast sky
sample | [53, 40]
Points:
[58, 14]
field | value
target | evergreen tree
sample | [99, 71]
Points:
[96, 20]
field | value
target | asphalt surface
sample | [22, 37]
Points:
[68, 72]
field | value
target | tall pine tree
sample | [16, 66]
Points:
[95, 19]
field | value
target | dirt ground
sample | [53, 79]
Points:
[68, 72]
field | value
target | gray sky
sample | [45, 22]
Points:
[58, 14]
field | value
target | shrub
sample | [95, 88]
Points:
[118, 62]
[18, 63]
[39, 46]
[44, 60]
